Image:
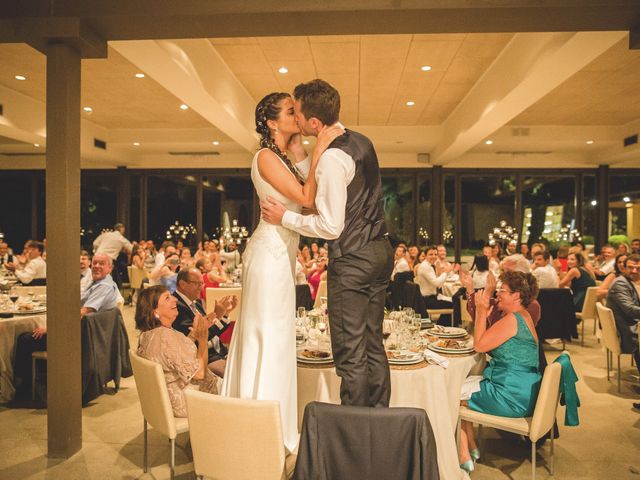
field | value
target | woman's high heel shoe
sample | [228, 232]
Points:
[475, 454]
[467, 466]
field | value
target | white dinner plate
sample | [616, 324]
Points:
[410, 358]
[35, 311]
[304, 359]
[459, 351]
[448, 332]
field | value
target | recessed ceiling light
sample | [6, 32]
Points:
[36, 144]
[136, 144]
[20, 77]
[425, 68]
[216, 142]
[88, 109]
[488, 142]
[410, 103]
[139, 75]
[589, 142]
[594, 203]
[305, 142]
[283, 70]
[184, 106]
[626, 199]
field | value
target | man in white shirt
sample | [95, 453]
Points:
[5, 256]
[544, 272]
[429, 283]
[607, 264]
[350, 215]
[232, 258]
[400, 262]
[35, 271]
[111, 243]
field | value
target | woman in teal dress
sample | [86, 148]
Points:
[579, 278]
[511, 381]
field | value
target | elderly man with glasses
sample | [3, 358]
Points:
[189, 285]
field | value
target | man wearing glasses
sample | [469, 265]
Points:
[624, 300]
[189, 286]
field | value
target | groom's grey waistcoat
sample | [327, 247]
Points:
[364, 216]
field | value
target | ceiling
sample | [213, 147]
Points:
[376, 75]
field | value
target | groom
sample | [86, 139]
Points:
[350, 215]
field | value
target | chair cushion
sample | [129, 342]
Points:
[182, 425]
[514, 425]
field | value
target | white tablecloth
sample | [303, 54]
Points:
[432, 388]
[10, 328]
[449, 288]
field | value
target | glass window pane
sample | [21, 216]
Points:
[624, 206]
[424, 209]
[98, 205]
[449, 213]
[549, 208]
[229, 198]
[486, 202]
[134, 208]
[397, 194]
[589, 206]
[171, 199]
[15, 214]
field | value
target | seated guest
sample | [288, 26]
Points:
[5, 256]
[211, 277]
[316, 275]
[603, 288]
[86, 278]
[511, 380]
[543, 271]
[624, 299]
[301, 269]
[35, 270]
[561, 262]
[101, 295]
[413, 253]
[525, 251]
[442, 261]
[400, 263]
[184, 364]
[512, 263]
[512, 248]
[578, 278]
[429, 283]
[635, 245]
[231, 257]
[167, 274]
[138, 257]
[494, 265]
[623, 248]
[189, 286]
[480, 271]
[186, 260]
[605, 264]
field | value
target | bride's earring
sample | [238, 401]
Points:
[276, 132]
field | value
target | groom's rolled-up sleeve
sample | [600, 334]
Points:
[334, 173]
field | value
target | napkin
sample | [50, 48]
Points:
[435, 359]
[444, 298]
[470, 386]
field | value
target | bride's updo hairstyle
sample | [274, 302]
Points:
[268, 109]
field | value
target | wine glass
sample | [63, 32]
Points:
[13, 296]
[387, 328]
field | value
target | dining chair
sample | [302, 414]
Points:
[39, 355]
[467, 321]
[435, 313]
[610, 338]
[534, 427]
[322, 292]
[213, 294]
[136, 277]
[253, 445]
[155, 404]
[588, 310]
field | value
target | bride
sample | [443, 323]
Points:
[262, 359]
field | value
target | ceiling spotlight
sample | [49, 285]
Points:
[305, 142]
[136, 144]
[216, 142]
[489, 142]
[626, 199]
[20, 77]
[410, 103]
[139, 75]
[88, 109]
[425, 68]
[589, 142]
[36, 144]
[283, 70]
[594, 203]
[184, 106]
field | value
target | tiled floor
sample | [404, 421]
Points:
[606, 445]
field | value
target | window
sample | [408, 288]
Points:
[624, 205]
[424, 210]
[226, 199]
[171, 199]
[397, 196]
[15, 213]
[98, 206]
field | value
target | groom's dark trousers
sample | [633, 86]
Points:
[357, 283]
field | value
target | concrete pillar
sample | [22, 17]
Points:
[63, 249]
[633, 221]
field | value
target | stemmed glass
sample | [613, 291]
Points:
[13, 295]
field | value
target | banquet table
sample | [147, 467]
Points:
[10, 328]
[430, 387]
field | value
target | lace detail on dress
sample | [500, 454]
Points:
[178, 356]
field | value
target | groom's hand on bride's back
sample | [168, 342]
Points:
[272, 211]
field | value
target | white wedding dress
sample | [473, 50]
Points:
[262, 356]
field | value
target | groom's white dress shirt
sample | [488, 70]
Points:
[334, 173]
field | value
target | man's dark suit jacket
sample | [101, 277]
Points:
[623, 299]
[184, 321]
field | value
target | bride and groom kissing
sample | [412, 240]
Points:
[340, 183]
